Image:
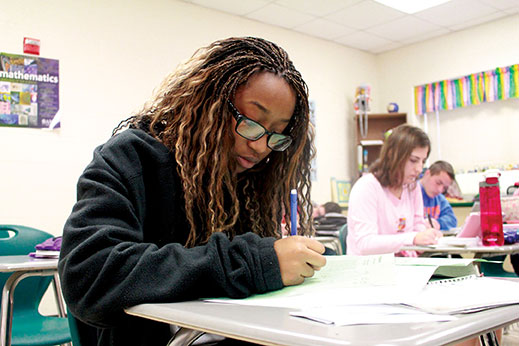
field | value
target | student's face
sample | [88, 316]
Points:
[268, 100]
[435, 184]
[414, 165]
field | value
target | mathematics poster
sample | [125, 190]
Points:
[29, 91]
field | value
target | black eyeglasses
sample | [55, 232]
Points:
[251, 130]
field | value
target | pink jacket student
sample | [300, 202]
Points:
[382, 223]
[386, 207]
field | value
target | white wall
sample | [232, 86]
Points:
[112, 54]
[475, 136]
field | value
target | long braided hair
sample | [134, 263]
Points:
[189, 114]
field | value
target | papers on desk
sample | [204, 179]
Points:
[465, 295]
[442, 267]
[387, 284]
[344, 280]
[44, 254]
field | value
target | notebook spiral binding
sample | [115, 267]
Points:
[452, 280]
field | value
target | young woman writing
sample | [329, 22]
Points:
[187, 202]
[385, 208]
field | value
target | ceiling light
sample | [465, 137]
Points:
[411, 6]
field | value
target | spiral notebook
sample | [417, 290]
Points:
[465, 294]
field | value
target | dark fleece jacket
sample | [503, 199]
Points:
[123, 246]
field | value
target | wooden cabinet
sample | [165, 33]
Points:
[368, 148]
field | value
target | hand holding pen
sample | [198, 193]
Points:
[428, 237]
[433, 222]
[299, 257]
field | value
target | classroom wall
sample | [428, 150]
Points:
[112, 55]
[472, 137]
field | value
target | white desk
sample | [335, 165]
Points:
[274, 326]
[478, 251]
[24, 266]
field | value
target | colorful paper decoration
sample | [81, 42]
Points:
[499, 84]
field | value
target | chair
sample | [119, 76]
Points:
[343, 234]
[29, 327]
[495, 269]
[512, 188]
[81, 333]
[329, 230]
[73, 326]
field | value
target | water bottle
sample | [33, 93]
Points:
[490, 210]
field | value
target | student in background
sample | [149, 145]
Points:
[187, 202]
[385, 207]
[326, 208]
[332, 208]
[437, 210]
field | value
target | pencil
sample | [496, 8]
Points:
[430, 221]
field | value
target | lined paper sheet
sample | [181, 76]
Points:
[347, 280]
[381, 289]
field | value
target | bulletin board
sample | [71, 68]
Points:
[29, 91]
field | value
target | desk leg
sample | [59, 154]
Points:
[62, 312]
[185, 337]
[7, 307]
[489, 339]
[59, 297]
[6, 316]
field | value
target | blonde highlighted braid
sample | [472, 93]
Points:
[189, 114]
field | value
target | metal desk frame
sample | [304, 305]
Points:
[22, 267]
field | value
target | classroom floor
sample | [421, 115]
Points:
[511, 336]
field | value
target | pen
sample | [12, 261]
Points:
[293, 212]
[430, 221]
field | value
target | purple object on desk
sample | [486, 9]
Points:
[52, 244]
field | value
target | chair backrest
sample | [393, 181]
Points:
[512, 188]
[21, 240]
[343, 233]
[510, 208]
[495, 269]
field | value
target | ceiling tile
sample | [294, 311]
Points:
[403, 28]
[479, 20]
[426, 36]
[238, 7]
[501, 4]
[363, 40]
[324, 28]
[455, 12]
[364, 15]
[385, 48]
[315, 7]
[279, 15]
[366, 24]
